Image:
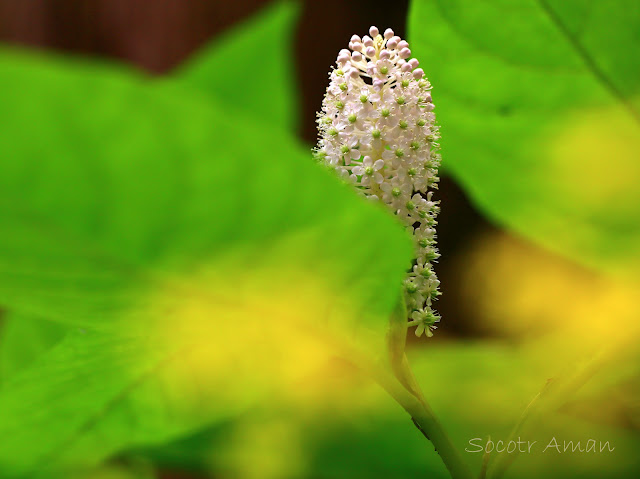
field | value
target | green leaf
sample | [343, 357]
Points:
[23, 339]
[251, 66]
[195, 249]
[96, 394]
[539, 103]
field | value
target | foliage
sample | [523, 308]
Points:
[181, 284]
[164, 231]
[540, 109]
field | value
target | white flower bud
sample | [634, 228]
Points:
[374, 32]
[371, 69]
[377, 130]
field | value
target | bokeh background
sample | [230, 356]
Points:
[515, 313]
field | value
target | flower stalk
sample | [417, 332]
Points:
[378, 132]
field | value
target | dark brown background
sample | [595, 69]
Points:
[157, 35]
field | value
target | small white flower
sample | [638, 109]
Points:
[377, 129]
[350, 150]
[388, 117]
[372, 137]
[369, 170]
[424, 320]
[395, 193]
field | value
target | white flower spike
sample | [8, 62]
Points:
[377, 129]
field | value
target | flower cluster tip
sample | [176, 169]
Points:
[377, 130]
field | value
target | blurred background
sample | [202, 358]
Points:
[508, 304]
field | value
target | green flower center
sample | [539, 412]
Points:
[431, 255]
[320, 155]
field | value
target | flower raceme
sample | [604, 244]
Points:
[377, 130]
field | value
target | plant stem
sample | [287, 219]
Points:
[531, 410]
[404, 388]
[427, 423]
[485, 462]
[553, 395]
